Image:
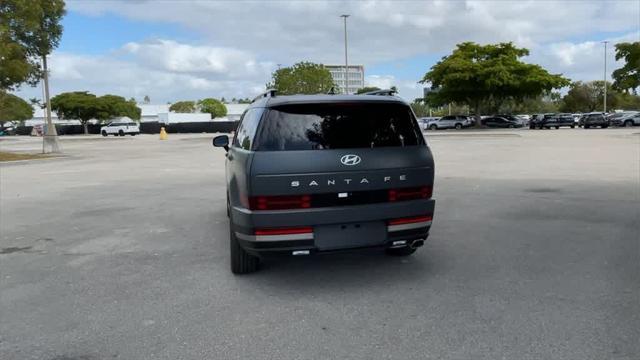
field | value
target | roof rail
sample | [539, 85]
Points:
[268, 93]
[384, 92]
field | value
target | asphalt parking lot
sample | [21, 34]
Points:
[119, 251]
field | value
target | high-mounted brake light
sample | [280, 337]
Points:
[279, 202]
[423, 192]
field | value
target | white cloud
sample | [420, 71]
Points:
[239, 43]
[169, 55]
[140, 75]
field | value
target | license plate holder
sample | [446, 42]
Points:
[350, 235]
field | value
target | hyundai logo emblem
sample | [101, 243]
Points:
[350, 159]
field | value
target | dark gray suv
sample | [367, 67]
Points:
[322, 173]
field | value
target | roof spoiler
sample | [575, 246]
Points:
[268, 93]
[384, 92]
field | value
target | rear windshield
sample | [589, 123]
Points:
[338, 126]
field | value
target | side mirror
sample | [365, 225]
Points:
[221, 141]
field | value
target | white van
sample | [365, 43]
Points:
[120, 128]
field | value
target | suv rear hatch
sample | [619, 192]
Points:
[316, 155]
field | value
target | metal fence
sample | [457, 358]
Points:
[147, 128]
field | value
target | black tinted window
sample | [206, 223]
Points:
[338, 126]
[247, 129]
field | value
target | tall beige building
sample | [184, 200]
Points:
[356, 77]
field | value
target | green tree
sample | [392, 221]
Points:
[588, 97]
[420, 108]
[13, 108]
[212, 106]
[77, 105]
[183, 107]
[111, 106]
[84, 106]
[367, 89]
[628, 101]
[627, 78]
[146, 99]
[487, 76]
[302, 78]
[29, 31]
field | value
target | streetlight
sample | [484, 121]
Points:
[605, 75]
[346, 62]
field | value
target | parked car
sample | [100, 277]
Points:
[120, 129]
[425, 121]
[450, 122]
[7, 130]
[593, 120]
[628, 118]
[500, 122]
[309, 174]
[576, 118]
[538, 119]
[556, 121]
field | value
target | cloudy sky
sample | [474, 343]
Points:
[176, 50]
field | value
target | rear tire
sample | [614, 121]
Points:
[403, 251]
[433, 127]
[241, 261]
[121, 133]
[458, 126]
[628, 123]
[104, 133]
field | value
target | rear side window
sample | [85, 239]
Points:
[247, 129]
[338, 126]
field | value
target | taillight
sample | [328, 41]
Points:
[410, 220]
[284, 231]
[279, 202]
[423, 192]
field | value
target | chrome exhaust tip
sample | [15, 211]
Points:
[416, 243]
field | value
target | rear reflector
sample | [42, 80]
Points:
[423, 192]
[284, 231]
[279, 202]
[410, 220]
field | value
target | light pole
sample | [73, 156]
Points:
[605, 76]
[346, 62]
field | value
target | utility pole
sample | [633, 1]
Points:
[346, 62]
[50, 142]
[605, 76]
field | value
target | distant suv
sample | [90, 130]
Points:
[320, 173]
[593, 120]
[628, 119]
[120, 128]
[556, 121]
[450, 122]
[500, 122]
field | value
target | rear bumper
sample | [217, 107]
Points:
[246, 221]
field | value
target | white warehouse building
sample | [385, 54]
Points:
[150, 113]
